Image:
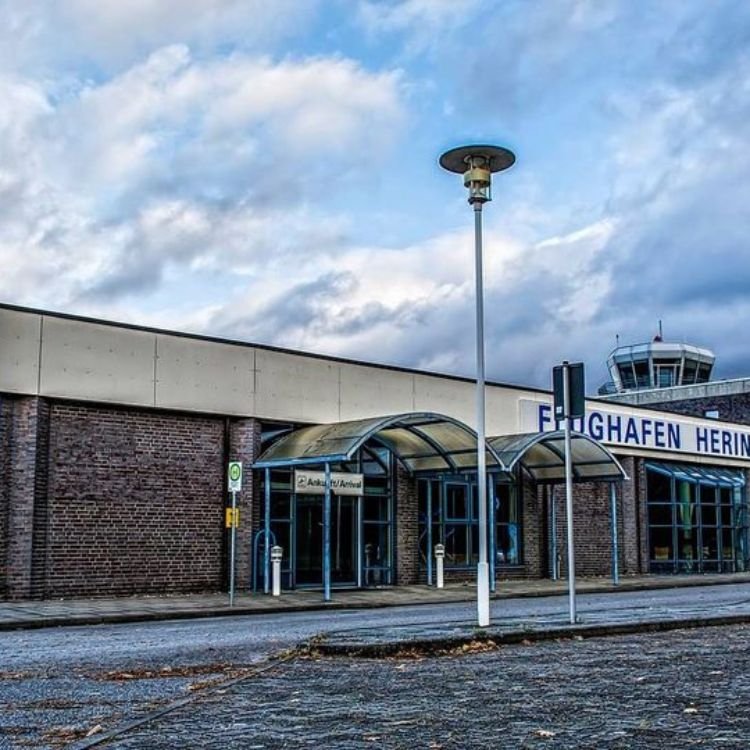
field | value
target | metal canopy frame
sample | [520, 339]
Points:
[427, 444]
[424, 442]
[542, 456]
[699, 474]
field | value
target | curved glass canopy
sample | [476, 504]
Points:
[542, 456]
[423, 442]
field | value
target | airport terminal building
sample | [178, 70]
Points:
[116, 441]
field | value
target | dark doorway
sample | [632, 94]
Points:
[309, 542]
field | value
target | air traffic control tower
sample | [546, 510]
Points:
[656, 364]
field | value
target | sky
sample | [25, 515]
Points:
[267, 171]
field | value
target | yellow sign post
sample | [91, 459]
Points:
[232, 518]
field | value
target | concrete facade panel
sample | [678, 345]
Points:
[297, 388]
[502, 411]
[443, 396]
[204, 376]
[96, 362]
[367, 392]
[20, 335]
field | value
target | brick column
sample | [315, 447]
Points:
[406, 514]
[531, 501]
[6, 424]
[26, 421]
[244, 445]
[634, 541]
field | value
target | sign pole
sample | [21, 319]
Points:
[569, 498]
[232, 545]
[234, 485]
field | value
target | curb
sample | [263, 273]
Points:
[115, 618]
[509, 637]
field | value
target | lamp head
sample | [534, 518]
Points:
[477, 163]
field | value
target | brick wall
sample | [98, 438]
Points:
[592, 529]
[135, 502]
[592, 526]
[407, 527]
[731, 407]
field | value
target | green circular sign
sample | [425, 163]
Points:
[235, 472]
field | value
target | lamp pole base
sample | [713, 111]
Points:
[483, 594]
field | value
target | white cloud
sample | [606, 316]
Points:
[114, 34]
[214, 125]
[425, 22]
[203, 165]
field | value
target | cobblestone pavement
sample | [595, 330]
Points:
[57, 684]
[680, 689]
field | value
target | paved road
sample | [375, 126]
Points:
[57, 684]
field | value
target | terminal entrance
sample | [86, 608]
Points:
[361, 530]
[309, 540]
[345, 538]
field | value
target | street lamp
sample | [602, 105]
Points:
[476, 164]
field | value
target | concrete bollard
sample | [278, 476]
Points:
[439, 557]
[276, 555]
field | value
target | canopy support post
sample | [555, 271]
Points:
[267, 536]
[492, 534]
[429, 532]
[327, 536]
[553, 524]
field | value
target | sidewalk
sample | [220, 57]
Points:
[56, 613]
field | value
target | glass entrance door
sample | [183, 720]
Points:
[309, 540]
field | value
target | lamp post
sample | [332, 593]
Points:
[476, 164]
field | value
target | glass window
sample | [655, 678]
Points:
[456, 506]
[697, 522]
[460, 545]
[376, 554]
[660, 514]
[708, 498]
[375, 508]
[665, 376]
[627, 376]
[281, 505]
[661, 544]
[689, 371]
[704, 373]
[454, 523]
[457, 544]
[642, 375]
[508, 525]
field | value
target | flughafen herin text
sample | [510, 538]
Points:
[670, 434]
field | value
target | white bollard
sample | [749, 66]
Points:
[439, 556]
[276, 554]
